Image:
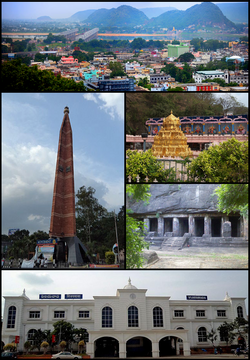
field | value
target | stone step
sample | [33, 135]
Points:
[173, 242]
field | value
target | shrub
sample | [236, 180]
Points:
[226, 162]
[45, 345]
[10, 347]
[146, 165]
[109, 257]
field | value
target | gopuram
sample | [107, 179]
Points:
[171, 141]
[187, 215]
[63, 222]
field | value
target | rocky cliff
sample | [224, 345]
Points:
[185, 198]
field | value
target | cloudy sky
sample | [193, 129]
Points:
[32, 10]
[174, 283]
[30, 133]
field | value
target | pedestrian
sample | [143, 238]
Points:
[3, 262]
[238, 351]
[220, 350]
[42, 262]
[215, 351]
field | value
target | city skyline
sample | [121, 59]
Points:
[30, 134]
[33, 10]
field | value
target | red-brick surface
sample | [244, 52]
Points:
[62, 223]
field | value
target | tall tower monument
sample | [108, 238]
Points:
[63, 221]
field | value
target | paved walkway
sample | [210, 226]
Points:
[200, 258]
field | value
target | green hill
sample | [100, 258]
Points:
[236, 12]
[156, 11]
[122, 16]
[81, 15]
[207, 14]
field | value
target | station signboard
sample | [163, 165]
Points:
[49, 296]
[73, 296]
[196, 297]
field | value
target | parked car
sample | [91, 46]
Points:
[9, 355]
[65, 355]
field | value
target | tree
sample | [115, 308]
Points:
[226, 162]
[135, 229]
[10, 347]
[187, 57]
[146, 165]
[20, 77]
[89, 212]
[27, 346]
[212, 336]
[63, 345]
[81, 346]
[45, 345]
[232, 198]
[64, 331]
[237, 328]
[38, 338]
[226, 332]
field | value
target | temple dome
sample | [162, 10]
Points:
[129, 285]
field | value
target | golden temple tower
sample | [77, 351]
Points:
[171, 141]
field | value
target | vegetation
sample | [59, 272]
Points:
[187, 57]
[237, 328]
[135, 229]
[141, 107]
[146, 165]
[54, 38]
[95, 225]
[117, 69]
[208, 45]
[232, 198]
[10, 347]
[181, 75]
[19, 77]
[226, 162]
[109, 257]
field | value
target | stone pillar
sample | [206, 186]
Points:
[191, 224]
[186, 348]
[176, 226]
[90, 349]
[160, 226]
[155, 349]
[226, 229]
[207, 225]
[122, 350]
[146, 225]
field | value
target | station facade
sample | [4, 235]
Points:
[129, 324]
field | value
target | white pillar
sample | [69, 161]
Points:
[122, 350]
[186, 348]
[155, 349]
[90, 349]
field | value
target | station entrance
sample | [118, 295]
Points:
[139, 346]
[106, 347]
[169, 346]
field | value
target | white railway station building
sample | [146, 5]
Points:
[129, 324]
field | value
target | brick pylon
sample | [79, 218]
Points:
[63, 222]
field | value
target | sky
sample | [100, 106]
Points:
[33, 10]
[240, 97]
[30, 134]
[174, 283]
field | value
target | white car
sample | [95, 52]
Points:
[65, 355]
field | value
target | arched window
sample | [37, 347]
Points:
[11, 317]
[157, 317]
[31, 334]
[133, 320]
[202, 334]
[180, 328]
[107, 317]
[240, 312]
